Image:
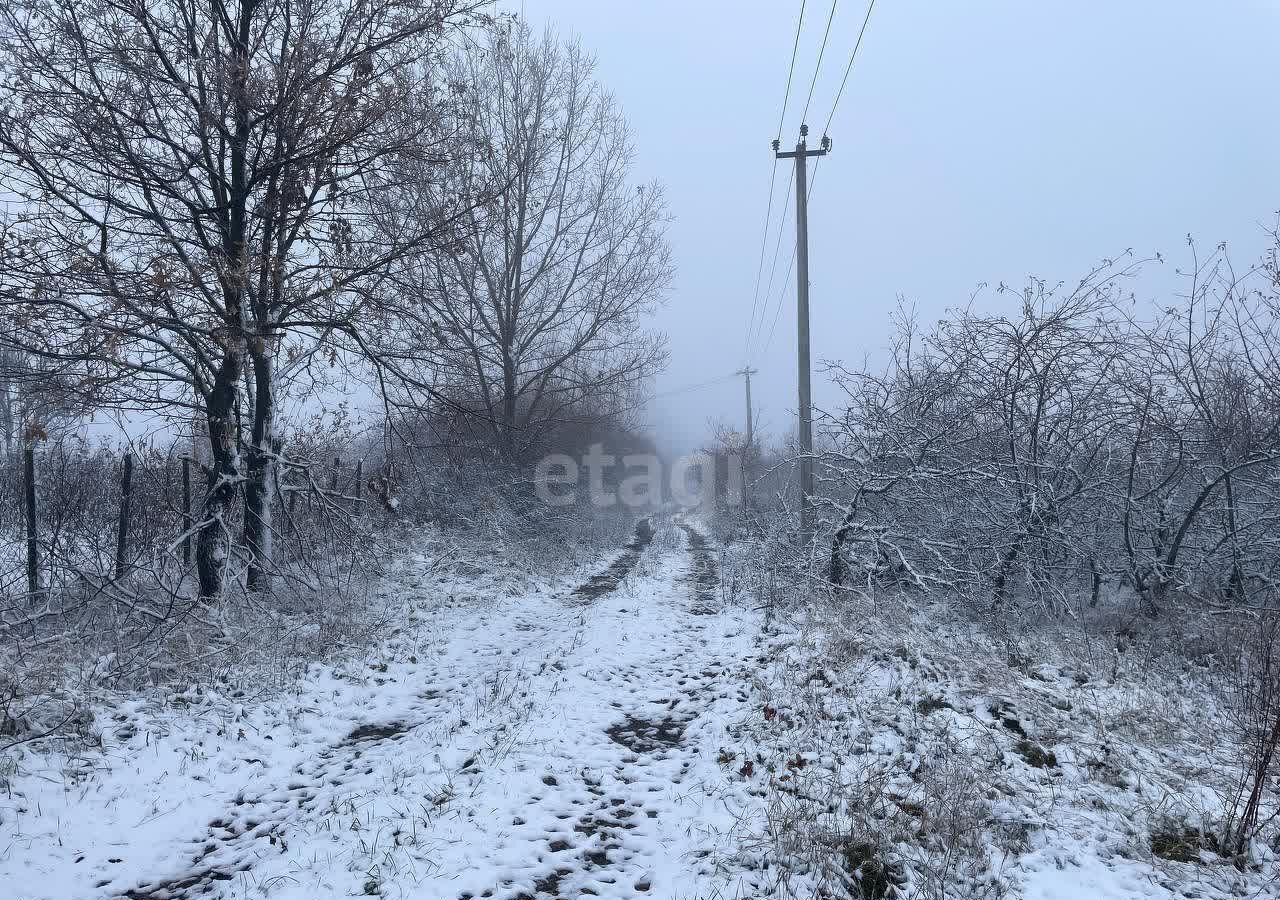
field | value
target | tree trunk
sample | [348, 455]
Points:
[213, 547]
[213, 544]
[1235, 581]
[358, 506]
[260, 474]
[122, 526]
[33, 543]
[186, 511]
[837, 543]
[508, 404]
[1007, 561]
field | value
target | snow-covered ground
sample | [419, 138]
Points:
[640, 733]
[907, 744]
[558, 742]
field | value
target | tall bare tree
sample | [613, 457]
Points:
[197, 182]
[534, 317]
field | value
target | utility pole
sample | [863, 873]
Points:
[747, 372]
[801, 154]
[745, 468]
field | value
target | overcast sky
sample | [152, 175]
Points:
[976, 142]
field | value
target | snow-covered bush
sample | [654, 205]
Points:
[1052, 454]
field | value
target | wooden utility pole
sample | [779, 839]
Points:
[801, 154]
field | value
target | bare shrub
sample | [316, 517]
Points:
[955, 821]
[1255, 715]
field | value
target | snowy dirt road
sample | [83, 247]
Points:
[563, 742]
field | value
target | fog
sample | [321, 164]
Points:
[975, 143]
[335, 556]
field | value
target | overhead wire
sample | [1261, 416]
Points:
[764, 244]
[818, 67]
[790, 265]
[791, 70]
[773, 269]
[849, 68]
[692, 387]
[773, 180]
[853, 55]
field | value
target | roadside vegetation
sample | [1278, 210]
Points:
[1039, 625]
[286, 288]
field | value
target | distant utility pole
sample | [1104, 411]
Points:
[800, 155]
[747, 372]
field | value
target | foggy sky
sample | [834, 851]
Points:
[976, 142]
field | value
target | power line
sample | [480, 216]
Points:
[778, 310]
[790, 265]
[773, 179]
[853, 55]
[849, 68]
[692, 387]
[818, 67]
[791, 69]
[773, 266]
[764, 243]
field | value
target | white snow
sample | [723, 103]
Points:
[633, 734]
[922, 733]
[486, 766]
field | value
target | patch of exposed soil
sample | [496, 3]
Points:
[647, 735]
[378, 732]
[600, 584]
[202, 882]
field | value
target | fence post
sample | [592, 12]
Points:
[358, 506]
[186, 511]
[33, 544]
[122, 527]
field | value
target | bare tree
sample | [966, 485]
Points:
[198, 185]
[978, 457]
[1071, 444]
[1204, 445]
[534, 316]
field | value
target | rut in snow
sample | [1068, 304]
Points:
[257, 824]
[623, 809]
[608, 580]
[703, 576]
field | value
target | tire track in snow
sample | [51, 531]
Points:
[704, 577]
[608, 580]
[630, 798]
